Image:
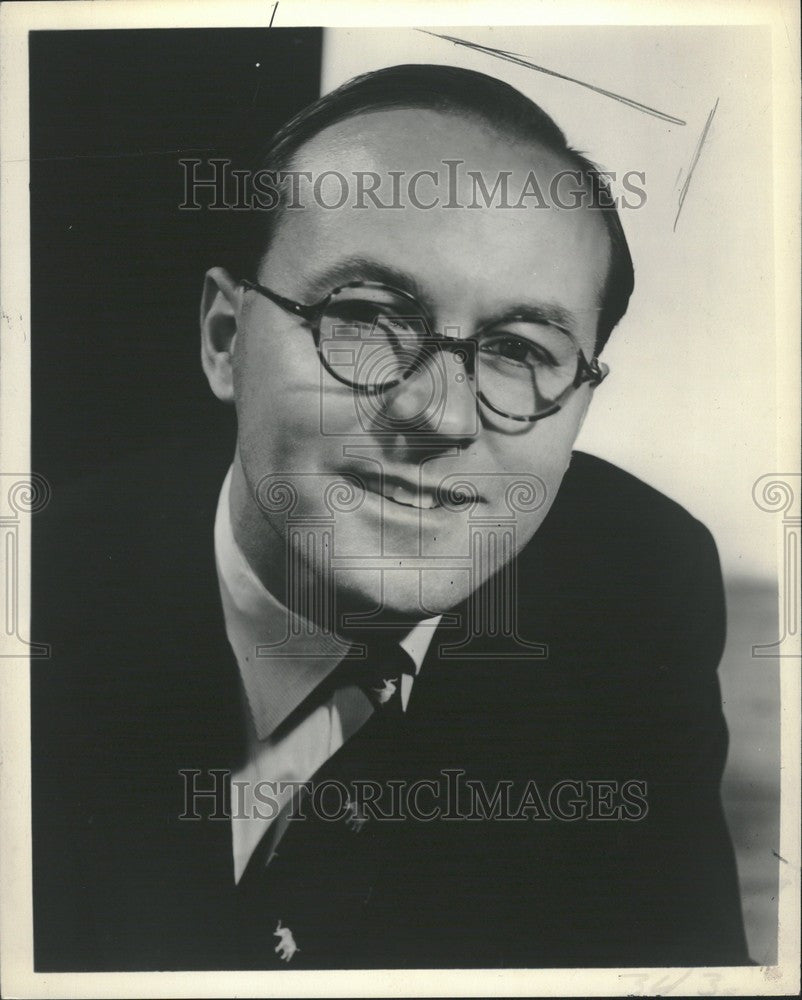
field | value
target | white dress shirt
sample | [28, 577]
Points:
[274, 685]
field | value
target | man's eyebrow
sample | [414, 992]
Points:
[542, 313]
[363, 269]
[358, 268]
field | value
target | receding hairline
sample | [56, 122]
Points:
[461, 93]
[471, 116]
[566, 157]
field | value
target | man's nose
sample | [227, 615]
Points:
[438, 397]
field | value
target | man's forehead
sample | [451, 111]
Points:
[411, 139]
[473, 260]
[427, 162]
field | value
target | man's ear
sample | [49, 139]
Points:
[218, 322]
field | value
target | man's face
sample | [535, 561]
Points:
[391, 543]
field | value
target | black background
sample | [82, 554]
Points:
[116, 266]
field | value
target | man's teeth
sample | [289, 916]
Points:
[410, 498]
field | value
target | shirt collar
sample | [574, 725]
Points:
[282, 657]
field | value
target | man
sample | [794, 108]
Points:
[418, 686]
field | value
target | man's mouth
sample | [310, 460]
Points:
[421, 499]
[399, 491]
[406, 493]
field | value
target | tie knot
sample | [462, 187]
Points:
[377, 668]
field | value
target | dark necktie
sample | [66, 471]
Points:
[305, 897]
[377, 668]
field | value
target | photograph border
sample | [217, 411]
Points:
[16, 964]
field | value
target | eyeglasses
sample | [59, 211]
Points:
[372, 337]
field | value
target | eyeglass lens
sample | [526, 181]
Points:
[370, 338]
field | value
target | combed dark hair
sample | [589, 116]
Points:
[453, 90]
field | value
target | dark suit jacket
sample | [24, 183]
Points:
[622, 585]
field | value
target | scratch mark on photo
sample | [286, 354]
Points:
[520, 61]
[696, 154]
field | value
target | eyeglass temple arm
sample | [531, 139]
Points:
[593, 371]
[307, 312]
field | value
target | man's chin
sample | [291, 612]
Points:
[400, 596]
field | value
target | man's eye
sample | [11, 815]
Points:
[389, 322]
[518, 351]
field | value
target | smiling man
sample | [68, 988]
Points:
[520, 289]
[442, 692]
